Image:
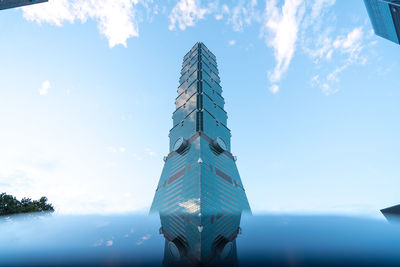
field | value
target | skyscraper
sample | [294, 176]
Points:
[385, 18]
[4, 4]
[200, 196]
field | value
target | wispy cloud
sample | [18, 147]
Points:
[318, 8]
[150, 152]
[280, 30]
[243, 14]
[114, 149]
[285, 26]
[101, 242]
[98, 243]
[44, 90]
[143, 239]
[222, 12]
[137, 157]
[131, 231]
[274, 89]
[347, 49]
[326, 87]
[350, 44]
[185, 13]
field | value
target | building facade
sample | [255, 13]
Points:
[200, 196]
[385, 18]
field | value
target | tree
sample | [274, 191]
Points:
[10, 205]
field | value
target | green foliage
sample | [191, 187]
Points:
[10, 205]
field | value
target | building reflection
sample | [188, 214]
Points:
[196, 239]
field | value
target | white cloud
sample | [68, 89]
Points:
[274, 89]
[333, 76]
[224, 10]
[44, 90]
[137, 157]
[116, 18]
[332, 52]
[113, 149]
[143, 239]
[328, 90]
[348, 51]
[185, 13]
[54, 12]
[232, 42]
[350, 44]
[329, 55]
[98, 243]
[315, 79]
[280, 30]
[318, 7]
[322, 49]
[242, 15]
[317, 14]
[150, 152]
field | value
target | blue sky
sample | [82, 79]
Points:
[88, 88]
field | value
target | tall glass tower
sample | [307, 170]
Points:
[4, 4]
[200, 196]
[385, 18]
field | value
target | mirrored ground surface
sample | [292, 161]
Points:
[138, 240]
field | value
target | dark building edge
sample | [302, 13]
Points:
[395, 11]
[7, 4]
[391, 213]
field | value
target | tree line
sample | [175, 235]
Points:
[11, 205]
